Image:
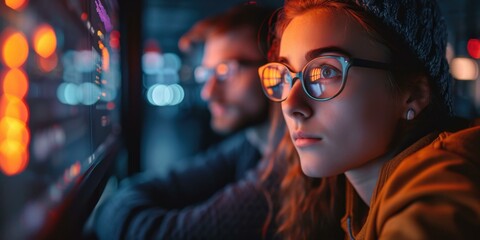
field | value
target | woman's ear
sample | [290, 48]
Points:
[416, 98]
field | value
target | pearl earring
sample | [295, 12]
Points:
[410, 114]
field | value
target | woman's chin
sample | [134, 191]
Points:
[315, 167]
[316, 170]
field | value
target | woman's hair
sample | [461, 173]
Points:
[312, 208]
[407, 67]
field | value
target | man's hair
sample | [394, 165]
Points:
[248, 15]
[245, 16]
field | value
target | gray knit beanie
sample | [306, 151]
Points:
[422, 27]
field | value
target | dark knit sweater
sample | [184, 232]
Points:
[218, 198]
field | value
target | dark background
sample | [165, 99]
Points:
[173, 132]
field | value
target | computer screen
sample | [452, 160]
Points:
[59, 104]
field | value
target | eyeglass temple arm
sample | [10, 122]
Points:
[369, 64]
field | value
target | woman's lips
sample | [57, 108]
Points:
[301, 139]
[304, 142]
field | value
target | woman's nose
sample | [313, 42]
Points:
[297, 104]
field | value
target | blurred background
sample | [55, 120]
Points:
[95, 88]
[176, 122]
[176, 119]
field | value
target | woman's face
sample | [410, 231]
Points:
[356, 126]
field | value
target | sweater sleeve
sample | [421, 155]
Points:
[207, 173]
[213, 199]
[238, 211]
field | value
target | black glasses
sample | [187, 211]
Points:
[323, 78]
[224, 70]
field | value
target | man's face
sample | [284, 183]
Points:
[236, 100]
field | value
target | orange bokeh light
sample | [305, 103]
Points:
[14, 49]
[105, 59]
[14, 107]
[15, 83]
[14, 129]
[16, 4]
[13, 157]
[45, 41]
[75, 169]
[48, 64]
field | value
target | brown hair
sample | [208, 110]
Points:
[312, 208]
[246, 16]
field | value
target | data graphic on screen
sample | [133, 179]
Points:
[59, 104]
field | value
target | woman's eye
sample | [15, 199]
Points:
[328, 72]
[324, 72]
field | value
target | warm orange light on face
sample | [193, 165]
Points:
[16, 4]
[13, 157]
[15, 83]
[45, 41]
[15, 50]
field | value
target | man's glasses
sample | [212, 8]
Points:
[323, 78]
[224, 70]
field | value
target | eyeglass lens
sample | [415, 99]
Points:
[221, 71]
[321, 79]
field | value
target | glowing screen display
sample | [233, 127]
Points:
[59, 103]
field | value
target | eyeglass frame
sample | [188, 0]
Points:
[239, 63]
[346, 63]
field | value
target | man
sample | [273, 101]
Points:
[215, 198]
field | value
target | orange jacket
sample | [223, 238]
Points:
[431, 190]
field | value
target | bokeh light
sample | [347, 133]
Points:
[47, 64]
[16, 4]
[473, 47]
[88, 93]
[85, 60]
[13, 157]
[15, 83]
[14, 129]
[167, 76]
[11, 106]
[105, 59]
[115, 39]
[84, 16]
[152, 62]
[72, 94]
[67, 93]
[172, 61]
[14, 49]
[44, 40]
[464, 68]
[164, 95]
[14, 113]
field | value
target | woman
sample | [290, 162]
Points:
[364, 89]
